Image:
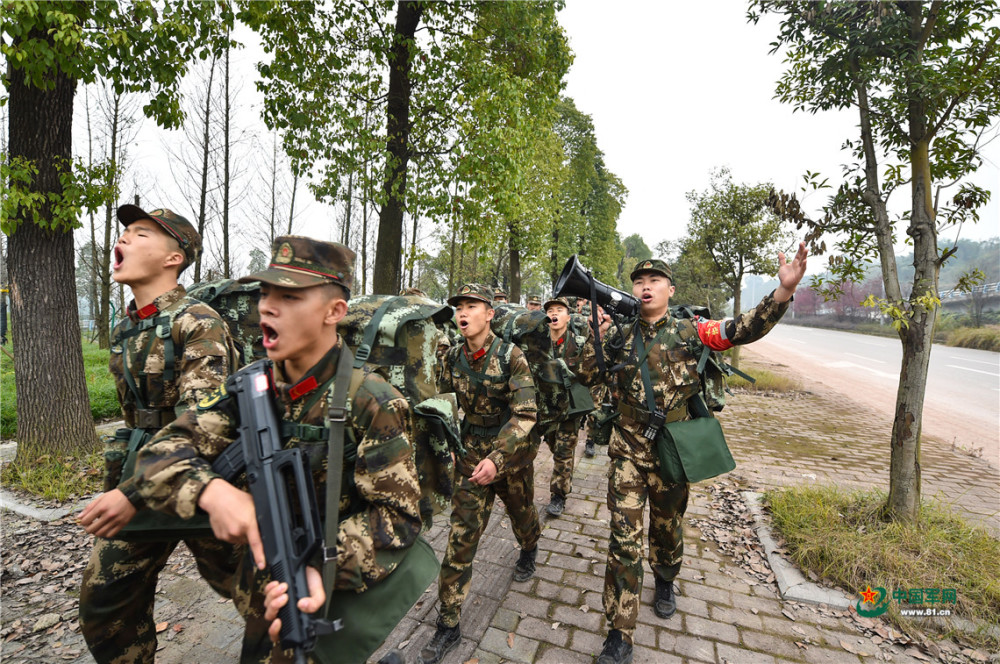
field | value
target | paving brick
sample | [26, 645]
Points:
[554, 655]
[711, 629]
[572, 615]
[740, 617]
[818, 655]
[695, 649]
[771, 644]
[587, 642]
[530, 606]
[541, 630]
[644, 654]
[495, 641]
[505, 619]
[560, 593]
[583, 581]
[569, 562]
[735, 655]
[644, 635]
[707, 593]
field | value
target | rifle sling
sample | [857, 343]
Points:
[335, 467]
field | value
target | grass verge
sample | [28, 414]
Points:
[844, 538]
[766, 381]
[100, 388]
[981, 338]
[59, 478]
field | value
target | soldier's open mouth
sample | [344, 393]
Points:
[270, 334]
[463, 324]
[647, 298]
[119, 257]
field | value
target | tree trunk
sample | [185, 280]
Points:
[291, 207]
[514, 265]
[226, 184]
[345, 236]
[389, 250]
[203, 193]
[734, 358]
[554, 255]
[48, 364]
[104, 332]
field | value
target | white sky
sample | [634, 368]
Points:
[674, 89]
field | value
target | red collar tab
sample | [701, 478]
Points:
[560, 340]
[303, 388]
[479, 353]
[147, 311]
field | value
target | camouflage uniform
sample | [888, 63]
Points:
[379, 512]
[499, 417]
[634, 473]
[575, 348]
[119, 582]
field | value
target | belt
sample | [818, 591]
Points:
[640, 416]
[153, 418]
[488, 420]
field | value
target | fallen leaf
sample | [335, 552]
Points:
[755, 611]
[848, 647]
[160, 627]
[584, 608]
[474, 660]
[800, 645]
[556, 624]
[403, 644]
[178, 627]
[510, 639]
[788, 614]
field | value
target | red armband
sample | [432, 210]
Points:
[710, 333]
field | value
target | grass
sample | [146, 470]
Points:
[100, 387]
[981, 338]
[60, 478]
[844, 538]
[766, 381]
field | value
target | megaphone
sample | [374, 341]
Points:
[577, 281]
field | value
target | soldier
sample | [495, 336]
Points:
[304, 294]
[534, 303]
[494, 388]
[576, 353]
[158, 377]
[634, 477]
[499, 297]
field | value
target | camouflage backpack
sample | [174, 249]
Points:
[712, 368]
[236, 304]
[399, 336]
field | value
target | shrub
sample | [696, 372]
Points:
[981, 338]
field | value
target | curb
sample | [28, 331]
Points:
[9, 501]
[792, 585]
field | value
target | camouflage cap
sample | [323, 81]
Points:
[498, 293]
[301, 262]
[652, 265]
[175, 225]
[534, 299]
[556, 300]
[472, 292]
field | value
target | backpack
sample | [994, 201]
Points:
[529, 331]
[712, 368]
[236, 304]
[399, 337]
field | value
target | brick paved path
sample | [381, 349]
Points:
[723, 615]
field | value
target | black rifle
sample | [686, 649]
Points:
[281, 484]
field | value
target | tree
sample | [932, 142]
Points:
[49, 48]
[696, 277]
[738, 232]
[925, 81]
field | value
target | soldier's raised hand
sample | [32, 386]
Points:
[790, 274]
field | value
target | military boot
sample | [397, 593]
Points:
[525, 567]
[588, 449]
[393, 657]
[556, 505]
[616, 649]
[664, 604]
[444, 639]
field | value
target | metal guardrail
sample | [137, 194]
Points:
[984, 289]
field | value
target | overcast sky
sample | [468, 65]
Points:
[675, 90]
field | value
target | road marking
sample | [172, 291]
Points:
[866, 359]
[797, 341]
[963, 359]
[868, 343]
[852, 365]
[988, 373]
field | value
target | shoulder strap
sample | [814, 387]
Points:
[371, 331]
[337, 416]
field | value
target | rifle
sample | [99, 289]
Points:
[280, 481]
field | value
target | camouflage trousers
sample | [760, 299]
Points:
[119, 584]
[248, 597]
[629, 486]
[598, 393]
[471, 507]
[562, 439]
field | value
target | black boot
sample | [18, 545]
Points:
[525, 567]
[393, 657]
[556, 505]
[616, 649]
[444, 639]
[664, 604]
[588, 449]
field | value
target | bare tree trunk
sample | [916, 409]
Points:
[104, 331]
[291, 207]
[48, 364]
[273, 217]
[345, 235]
[203, 190]
[734, 357]
[95, 307]
[554, 255]
[226, 184]
[388, 251]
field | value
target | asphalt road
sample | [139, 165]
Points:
[962, 403]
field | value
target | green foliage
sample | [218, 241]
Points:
[100, 386]
[981, 338]
[82, 188]
[845, 538]
[736, 229]
[60, 478]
